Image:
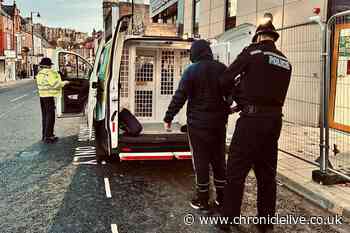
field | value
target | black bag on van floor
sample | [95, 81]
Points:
[129, 123]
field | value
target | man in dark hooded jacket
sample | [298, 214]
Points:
[206, 120]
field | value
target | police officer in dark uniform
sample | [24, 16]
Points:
[264, 74]
[207, 115]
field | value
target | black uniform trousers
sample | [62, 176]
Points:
[208, 148]
[48, 116]
[254, 145]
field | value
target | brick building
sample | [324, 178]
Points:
[8, 56]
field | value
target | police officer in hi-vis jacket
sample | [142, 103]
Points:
[50, 86]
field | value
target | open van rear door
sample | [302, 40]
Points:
[93, 90]
[73, 67]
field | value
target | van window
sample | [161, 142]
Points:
[72, 66]
[103, 64]
[101, 73]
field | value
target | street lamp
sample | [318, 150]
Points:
[31, 20]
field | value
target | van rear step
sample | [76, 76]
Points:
[155, 139]
[154, 143]
[155, 156]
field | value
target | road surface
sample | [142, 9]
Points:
[59, 189]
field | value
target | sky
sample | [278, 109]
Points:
[81, 15]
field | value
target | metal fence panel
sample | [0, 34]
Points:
[316, 124]
[301, 132]
[338, 96]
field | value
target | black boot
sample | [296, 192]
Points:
[200, 202]
[219, 199]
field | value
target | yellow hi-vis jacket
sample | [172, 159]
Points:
[49, 83]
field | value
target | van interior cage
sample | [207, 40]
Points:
[157, 74]
[167, 72]
[316, 125]
[144, 76]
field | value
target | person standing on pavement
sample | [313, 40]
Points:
[206, 120]
[50, 86]
[264, 74]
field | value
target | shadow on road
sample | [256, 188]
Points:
[150, 196]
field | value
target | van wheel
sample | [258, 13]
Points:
[114, 158]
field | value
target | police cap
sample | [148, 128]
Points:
[266, 29]
[46, 62]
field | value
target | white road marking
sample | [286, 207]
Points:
[84, 151]
[13, 108]
[91, 162]
[114, 228]
[84, 134]
[77, 158]
[18, 98]
[108, 188]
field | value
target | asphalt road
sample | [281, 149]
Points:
[59, 189]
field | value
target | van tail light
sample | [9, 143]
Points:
[126, 149]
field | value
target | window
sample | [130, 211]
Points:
[73, 67]
[68, 66]
[231, 12]
[8, 41]
[180, 17]
[196, 12]
[84, 69]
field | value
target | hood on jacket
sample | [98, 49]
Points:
[200, 50]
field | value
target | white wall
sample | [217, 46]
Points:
[302, 47]
[295, 11]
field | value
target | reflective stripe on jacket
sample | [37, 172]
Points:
[49, 83]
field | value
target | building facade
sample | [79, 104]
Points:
[196, 18]
[7, 47]
[114, 9]
[210, 18]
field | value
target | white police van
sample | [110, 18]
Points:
[138, 73]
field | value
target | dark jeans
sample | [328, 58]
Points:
[208, 148]
[48, 116]
[254, 145]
